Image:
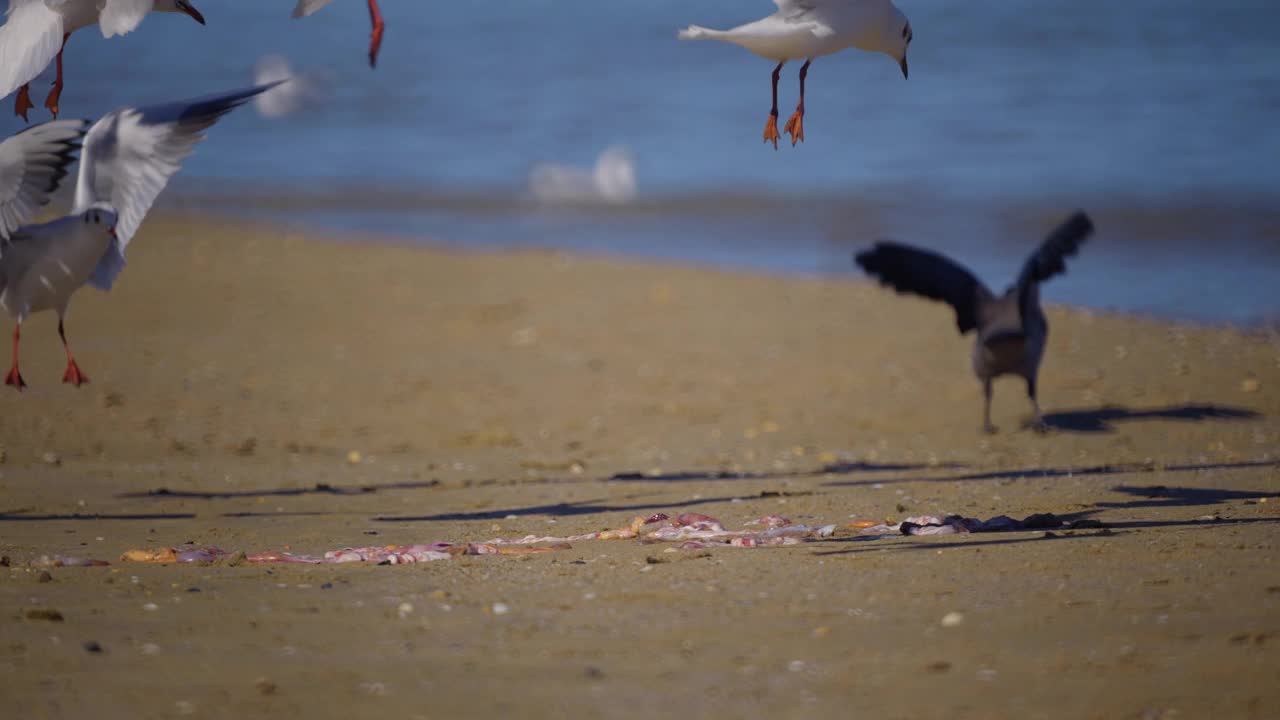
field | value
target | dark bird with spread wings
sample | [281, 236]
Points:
[1012, 328]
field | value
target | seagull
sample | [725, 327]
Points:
[1012, 328]
[127, 158]
[306, 7]
[36, 32]
[809, 29]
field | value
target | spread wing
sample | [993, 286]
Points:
[306, 7]
[921, 272]
[32, 164]
[1050, 258]
[29, 40]
[130, 155]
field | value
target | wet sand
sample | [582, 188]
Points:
[295, 391]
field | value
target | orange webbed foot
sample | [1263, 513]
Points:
[22, 103]
[14, 378]
[74, 375]
[771, 130]
[51, 101]
[795, 126]
[375, 44]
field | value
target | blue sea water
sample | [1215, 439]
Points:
[1159, 117]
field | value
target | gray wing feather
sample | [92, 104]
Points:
[920, 272]
[32, 165]
[1050, 258]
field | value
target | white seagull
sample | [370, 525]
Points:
[127, 159]
[306, 7]
[812, 28]
[36, 32]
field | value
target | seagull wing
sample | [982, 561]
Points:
[921, 272]
[29, 40]
[306, 7]
[118, 17]
[130, 155]
[32, 164]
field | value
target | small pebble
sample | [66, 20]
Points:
[796, 666]
[354, 457]
[150, 649]
[92, 646]
[45, 576]
[151, 607]
[404, 610]
[952, 619]
[821, 632]
[1250, 385]
[50, 458]
[501, 608]
[265, 686]
[185, 707]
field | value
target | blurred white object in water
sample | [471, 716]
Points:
[612, 180]
[286, 98]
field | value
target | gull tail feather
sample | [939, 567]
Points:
[697, 32]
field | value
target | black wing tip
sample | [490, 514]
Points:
[1079, 224]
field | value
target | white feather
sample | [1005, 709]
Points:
[123, 16]
[306, 7]
[29, 40]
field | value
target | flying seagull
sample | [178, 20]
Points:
[1012, 328]
[306, 7]
[127, 159]
[35, 32]
[809, 29]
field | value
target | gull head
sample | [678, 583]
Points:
[899, 39]
[181, 6]
[101, 215]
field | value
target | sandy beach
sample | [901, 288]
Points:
[257, 387]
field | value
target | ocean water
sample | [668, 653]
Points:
[1159, 117]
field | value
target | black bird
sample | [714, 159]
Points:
[1012, 328]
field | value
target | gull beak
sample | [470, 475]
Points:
[188, 9]
[903, 64]
[112, 232]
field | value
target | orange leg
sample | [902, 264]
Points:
[22, 103]
[795, 125]
[771, 125]
[375, 39]
[73, 374]
[14, 377]
[51, 101]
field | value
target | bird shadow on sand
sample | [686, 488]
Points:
[1102, 419]
[840, 468]
[22, 516]
[1108, 529]
[1164, 496]
[317, 489]
[569, 509]
[1050, 472]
